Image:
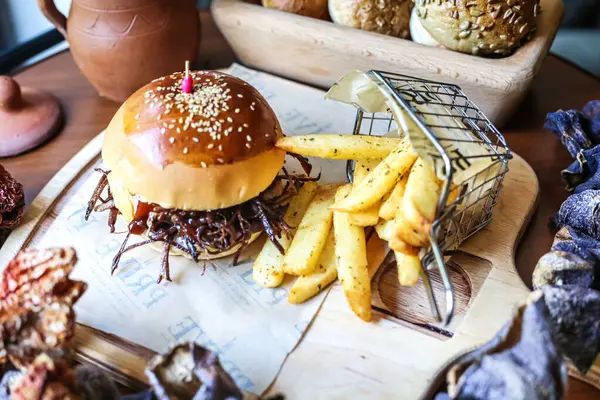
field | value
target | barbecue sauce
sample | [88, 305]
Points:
[137, 226]
[140, 217]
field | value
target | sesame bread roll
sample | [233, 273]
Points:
[388, 17]
[481, 27]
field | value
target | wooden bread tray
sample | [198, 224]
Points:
[319, 52]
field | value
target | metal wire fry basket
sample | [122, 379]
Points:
[435, 106]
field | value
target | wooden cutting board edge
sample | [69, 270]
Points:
[94, 345]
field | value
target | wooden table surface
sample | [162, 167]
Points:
[558, 85]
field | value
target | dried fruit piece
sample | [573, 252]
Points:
[592, 112]
[54, 370]
[575, 324]
[94, 384]
[25, 333]
[9, 378]
[34, 277]
[47, 379]
[581, 212]
[582, 174]
[36, 304]
[12, 200]
[191, 371]
[569, 127]
[520, 362]
[563, 267]
[577, 130]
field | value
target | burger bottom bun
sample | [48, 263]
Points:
[419, 34]
[158, 246]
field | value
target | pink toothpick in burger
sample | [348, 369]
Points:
[187, 84]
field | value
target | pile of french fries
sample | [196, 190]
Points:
[393, 190]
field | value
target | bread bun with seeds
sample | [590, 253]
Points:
[308, 8]
[481, 27]
[388, 17]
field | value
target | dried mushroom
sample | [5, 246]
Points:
[146, 395]
[191, 371]
[579, 132]
[93, 384]
[35, 277]
[37, 322]
[36, 304]
[54, 377]
[569, 127]
[592, 112]
[47, 379]
[9, 378]
[581, 214]
[562, 268]
[582, 174]
[520, 362]
[12, 200]
[575, 316]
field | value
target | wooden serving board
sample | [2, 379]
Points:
[398, 354]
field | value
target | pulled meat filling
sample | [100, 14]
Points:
[208, 232]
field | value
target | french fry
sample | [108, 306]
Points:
[351, 260]
[370, 216]
[380, 181]
[308, 286]
[405, 232]
[304, 251]
[339, 147]
[385, 229]
[409, 268]
[363, 168]
[453, 195]
[268, 266]
[400, 245]
[393, 204]
[421, 196]
[377, 251]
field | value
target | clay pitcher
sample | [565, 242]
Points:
[121, 45]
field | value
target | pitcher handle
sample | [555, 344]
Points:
[56, 17]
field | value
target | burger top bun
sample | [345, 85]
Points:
[388, 17]
[209, 149]
[308, 8]
[484, 27]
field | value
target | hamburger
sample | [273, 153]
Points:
[195, 171]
